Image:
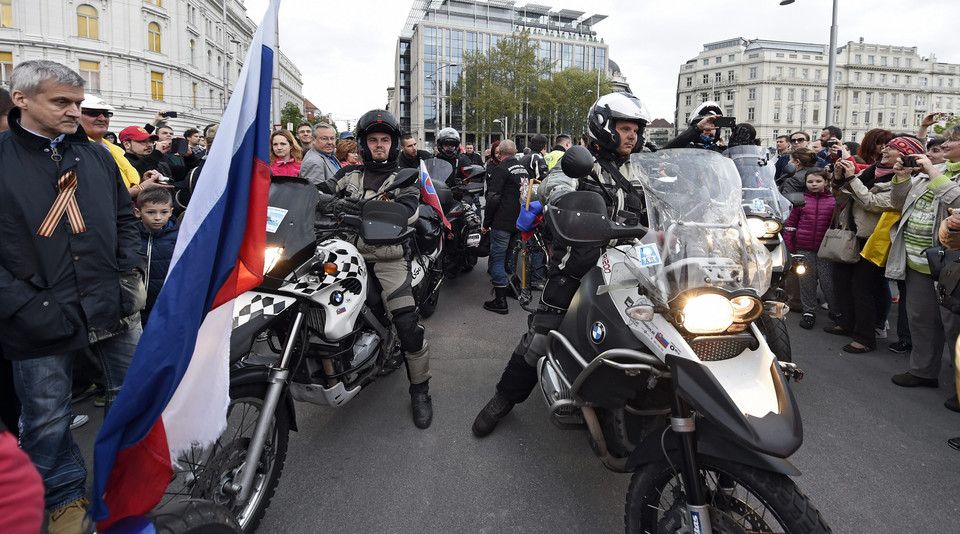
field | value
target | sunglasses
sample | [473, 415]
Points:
[798, 140]
[96, 113]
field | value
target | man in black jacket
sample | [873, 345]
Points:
[69, 272]
[503, 208]
[410, 157]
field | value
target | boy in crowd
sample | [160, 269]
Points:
[158, 232]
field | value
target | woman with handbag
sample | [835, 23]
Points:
[865, 197]
[924, 199]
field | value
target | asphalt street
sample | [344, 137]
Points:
[874, 457]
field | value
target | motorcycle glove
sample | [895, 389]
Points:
[337, 207]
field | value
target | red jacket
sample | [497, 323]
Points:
[806, 225]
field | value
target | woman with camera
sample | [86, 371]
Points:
[923, 193]
[865, 196]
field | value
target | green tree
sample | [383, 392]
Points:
[290, 114]
[498, 83]
[564, 99]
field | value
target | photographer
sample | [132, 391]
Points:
[923, 194]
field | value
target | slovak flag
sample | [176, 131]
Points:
[176, 391]
[428, 194]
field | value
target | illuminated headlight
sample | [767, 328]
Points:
[763, 228]
[270, 258]
[746, 308]
[708, 314]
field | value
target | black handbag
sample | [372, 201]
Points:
[945, 269]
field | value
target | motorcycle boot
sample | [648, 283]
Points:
[499, 302]
[491, 414]
[422, 404]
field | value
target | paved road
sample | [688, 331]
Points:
[874, 459]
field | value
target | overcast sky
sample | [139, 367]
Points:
[345, 50]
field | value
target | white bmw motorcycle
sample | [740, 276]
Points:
[661, 357]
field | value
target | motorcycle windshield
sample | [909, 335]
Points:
[291, 212]
[698, 235]
[756, 167]
[438, 169]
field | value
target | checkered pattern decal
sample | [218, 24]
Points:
[349, 265]
[252, 304]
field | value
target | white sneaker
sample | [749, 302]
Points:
[78, 421]
[881, 333]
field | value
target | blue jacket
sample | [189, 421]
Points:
[158, 248]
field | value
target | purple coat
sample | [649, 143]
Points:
[808, 223]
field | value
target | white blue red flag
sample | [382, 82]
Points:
[428, 194]
[176, 391]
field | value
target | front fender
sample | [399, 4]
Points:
[260, 374]
[710, 443]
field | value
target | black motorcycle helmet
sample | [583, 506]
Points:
[603, 116]
[382, 121]
[703, 111]
[448, 143]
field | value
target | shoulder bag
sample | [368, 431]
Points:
[840, 244]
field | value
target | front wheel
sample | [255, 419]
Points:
[208, 472]
[775, 331]
[741, 499]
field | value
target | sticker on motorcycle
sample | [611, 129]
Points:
[661, 340]
[649, 255]
[341, 310]
[274, 218]
[598, 332]
[473, 240]
[759, 205]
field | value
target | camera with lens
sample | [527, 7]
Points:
[164, 180]
[829, 144]
[909, 162]
[829, 168]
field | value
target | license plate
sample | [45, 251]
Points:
[473, 240]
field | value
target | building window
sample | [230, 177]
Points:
[730, 76]
[856, 97]
[855, 117]
[751, 94]
[753, 73]
[156, 85]
[816, 116]
[856, 76]
[158, 3]
[6, 13]
[776, 114]
[87, 22]
[869, 76]
[894, 78]
[789, 113]
[153, 37]
[729, 98]
[909, 62]
[716, 96]
[922, 81]
[717, 60]
[776, 93]
[896, 62]
[688, 100]
[193, 92]
[193, 53]
[689, 81]
[883, 78]
[883, 61]
[718, 77]
[818, 74]
[869, 60]
[856, 59]
[804, 73]
[793, 72]
[893, 99]
[791, 94]
[816, 95]
[869, 98]
[731, 58]
[906, 80]
[706, 61]
[6, 67]
[706, 78]
[803, 95]
[779, 72]
[90, 72]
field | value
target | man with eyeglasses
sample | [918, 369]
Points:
[320, 163]
[802, 140]
[95, 116]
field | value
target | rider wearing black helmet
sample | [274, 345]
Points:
[378, 132]
[617, 121]
[448, 149]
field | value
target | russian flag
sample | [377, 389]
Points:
[428, 193]
[176, 391]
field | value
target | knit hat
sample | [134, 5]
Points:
[907, 146]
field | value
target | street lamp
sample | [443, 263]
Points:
[439, 80]
[502, 122]
[832, 63]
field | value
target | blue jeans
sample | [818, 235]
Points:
[501, 243]
[44, 387]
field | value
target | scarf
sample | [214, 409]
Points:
[953, 168]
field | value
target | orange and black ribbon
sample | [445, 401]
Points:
[66, 202]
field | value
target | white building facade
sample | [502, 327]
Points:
[781, 87]
[142, 56]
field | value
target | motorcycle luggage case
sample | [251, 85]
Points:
[428, 229]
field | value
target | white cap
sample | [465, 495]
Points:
[95, 102]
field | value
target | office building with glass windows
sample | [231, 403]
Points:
[429, 58]
[142, 56]
[781, 87]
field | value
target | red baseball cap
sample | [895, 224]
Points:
[135, 133]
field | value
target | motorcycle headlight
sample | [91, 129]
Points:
[764, 228]
[708, 314]
[270, 258]
[746, 308]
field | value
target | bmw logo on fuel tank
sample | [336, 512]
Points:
[598, 332]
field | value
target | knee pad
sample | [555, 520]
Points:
[409, 330]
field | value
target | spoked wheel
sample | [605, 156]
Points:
[741, 500]
[208, 473]
[775, 331]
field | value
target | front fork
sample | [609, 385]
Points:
[682, 422]
[277, 381]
